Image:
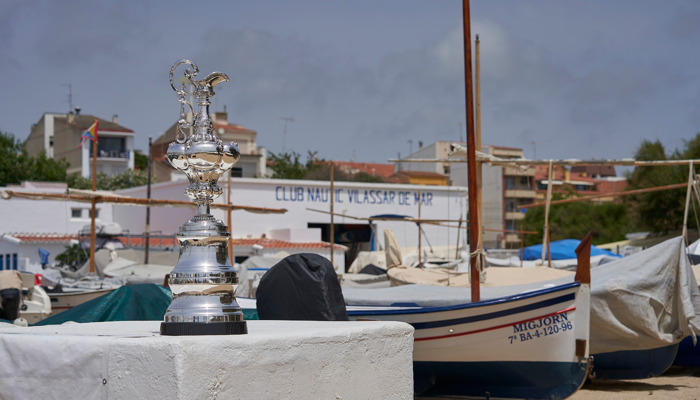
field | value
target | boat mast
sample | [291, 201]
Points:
[471, 157]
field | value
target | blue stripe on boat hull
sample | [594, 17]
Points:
[634, 364]
[501, 379]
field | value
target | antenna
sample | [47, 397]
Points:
[284, 138]
[70, 95]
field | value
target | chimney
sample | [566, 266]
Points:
[221, 117]
[115, 118]
[71, 117]
[420, 144]
[77, 111]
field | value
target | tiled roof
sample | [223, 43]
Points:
[84, 121]
[152, 241]
[422, 173]
[232, 128]
[42, 237]
[383, 170]
[280, 244]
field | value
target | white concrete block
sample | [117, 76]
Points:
[276, 360]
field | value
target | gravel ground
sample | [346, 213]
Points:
[678, 383]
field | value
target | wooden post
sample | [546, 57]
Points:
[229, 220]
[478, 135]
[93, 202]
[687, 203]
[147, 241]
[459, 229]
[332, 226]
[474, 226]
[420, 236]
[522, 245]
[545, 238]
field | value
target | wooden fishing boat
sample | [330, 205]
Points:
[533, 345]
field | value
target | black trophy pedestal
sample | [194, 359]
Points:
[203, 328]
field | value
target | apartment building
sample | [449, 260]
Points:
[253, 162]
[59, 135]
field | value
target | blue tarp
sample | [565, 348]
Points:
[44, 256]
[562, 250]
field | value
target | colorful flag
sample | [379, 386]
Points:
[89, 134]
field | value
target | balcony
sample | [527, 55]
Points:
[111, 153]
[520, 193]
[512, 171]
[514, 215]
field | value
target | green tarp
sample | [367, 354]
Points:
[146, 302]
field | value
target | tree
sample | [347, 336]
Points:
[289, 165]
[140, 161]
[17, 166]
[609, 222]
[661, 211]
[127, 179]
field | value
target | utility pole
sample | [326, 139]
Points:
[410, 151]
[534, 149]
[284, 138]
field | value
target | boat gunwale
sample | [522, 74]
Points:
[483, 303]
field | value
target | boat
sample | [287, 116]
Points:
[36, 304]
[72, 297]
[531, 345]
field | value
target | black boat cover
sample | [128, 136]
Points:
[372, 269]
[302, 287]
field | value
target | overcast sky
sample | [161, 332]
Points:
[582, 79]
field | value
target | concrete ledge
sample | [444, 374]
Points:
[276, 360]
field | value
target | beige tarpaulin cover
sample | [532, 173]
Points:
[497, 276]
[10, 280]
[392, 249]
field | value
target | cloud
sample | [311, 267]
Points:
[685, 25]
[77, 32]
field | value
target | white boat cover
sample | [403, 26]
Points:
[648, 300]
[494, 276]
[393, 250]
[560, 264]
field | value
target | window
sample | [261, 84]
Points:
[97, 213]
[510, 205]
[510, 183]
[76, 213]
[2, 264]
[14, 261]
[237, 172]
[581, 187]
[446, 169]
[542, 185]
[510, 225]
[8, 260]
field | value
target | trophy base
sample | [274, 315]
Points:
[203, 328]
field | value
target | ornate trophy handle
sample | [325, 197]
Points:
[181, 93]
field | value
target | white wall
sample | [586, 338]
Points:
[353, 199]
[45, 216]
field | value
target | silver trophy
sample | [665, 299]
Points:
[203, 281]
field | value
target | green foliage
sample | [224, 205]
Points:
[661, 211]
[127, 179]
[140, 161]
[609, 222]
[17, 166]
[289, 165]
[365, 177]
[74, 256]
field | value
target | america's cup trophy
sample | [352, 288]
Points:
[203, 281]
